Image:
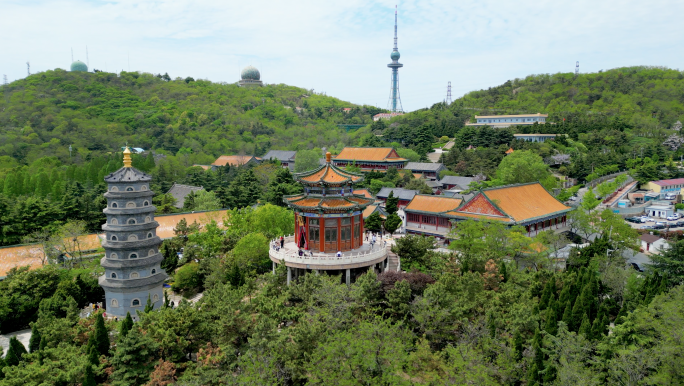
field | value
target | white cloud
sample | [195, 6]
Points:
[342, 47]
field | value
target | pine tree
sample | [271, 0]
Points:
[391, 204]
[551, 321]
[148, 306]
[585, 327]
[567, 316]
[547, 295]
[235, 277]
[580, 308]
[34, 342]
[533, 375]
[133, 360]
[126, 325]
[518, 345]
[89, 377]
[503, 272]
[100, 337]
[15, 352]
[93, 356]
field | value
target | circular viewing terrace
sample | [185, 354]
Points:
[352, 263]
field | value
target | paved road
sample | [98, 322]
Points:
[24, 336]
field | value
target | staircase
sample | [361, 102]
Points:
[393, 260]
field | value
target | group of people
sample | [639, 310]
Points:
[372, 239]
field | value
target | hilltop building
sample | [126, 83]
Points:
[329, 228]
[180, 192]
[501, 121]
[370, 158]
[528, 205]
[79, 66]
[250, 77]
[380, 116]
[536, 137]
[132, 258]
[236, 160]
[286, 157]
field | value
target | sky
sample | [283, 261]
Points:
[342, 48]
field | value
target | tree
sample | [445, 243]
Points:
[670, 262]
[148, 306]
[521, 167]
[15, 353]
[134, 359]
[306, 160]
[392, 223]
[100, 336]
[589, 201]
[205, 200]
[251, 253]
[126, 325]
[412, 251]
[187, 278]
[373, 222]
[419, 185]
[34, 342]
[88, 376]
[391, 204]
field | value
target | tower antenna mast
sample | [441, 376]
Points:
[28, 68]
[577, 69]
[448, 98]
[395, 98]
[4, 80]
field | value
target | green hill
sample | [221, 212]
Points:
[44, 113]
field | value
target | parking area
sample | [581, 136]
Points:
[646, 222]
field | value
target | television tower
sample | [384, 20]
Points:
[448, 98]
[576, 69]
[395, 99]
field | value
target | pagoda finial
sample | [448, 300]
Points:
[327, 157]
[127, 161]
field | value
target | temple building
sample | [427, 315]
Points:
[329, 230]
[528, 205]
[132, 258]
[370, 158]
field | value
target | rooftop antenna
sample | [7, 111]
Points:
[87, 60]
[28, 68]
[72, 54]
[576, 69]
[448, 98]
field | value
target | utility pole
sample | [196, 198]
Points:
[448, 98]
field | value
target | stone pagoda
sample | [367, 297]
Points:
[132, 258]
[329, 234]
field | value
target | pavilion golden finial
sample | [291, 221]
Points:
[127, 161]
[327, 157]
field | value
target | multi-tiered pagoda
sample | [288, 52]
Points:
[329, 234]
[132, 258]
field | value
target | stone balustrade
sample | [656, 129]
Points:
[348, 259]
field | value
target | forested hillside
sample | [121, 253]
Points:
[45, 113]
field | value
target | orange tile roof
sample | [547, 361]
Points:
[369, 154]
[365, 192]
[232, 160]
[312, 202]
[510, 150]
[330, 174]
[335, 203]
[357, 200]
[523, 202]
[369, 211]
[417, 175]
[434, 204]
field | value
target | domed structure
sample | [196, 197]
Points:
[251, 73]
[79, 66]
[395, 55]
[250, 77]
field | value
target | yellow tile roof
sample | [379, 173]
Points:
[524, 202]
[232, 160]
[479, 216]
[364, 192]
[434, 204]
[330, 174]
[369, 154]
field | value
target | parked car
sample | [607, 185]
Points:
[573, 198]
[634, 219]
[672, 218]
[670, 196]
[636, 267]
[659, 225]
[679, 223]
[647, 227]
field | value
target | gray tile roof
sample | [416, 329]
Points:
[280, 155]
[179, 192]
[463, 182]
[403, 194]
[127, 174]
[424, 166]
